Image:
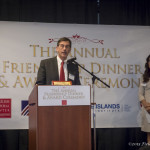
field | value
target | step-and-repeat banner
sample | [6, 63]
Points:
[115, 54]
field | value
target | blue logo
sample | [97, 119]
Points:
[107, 107]
[127, 108]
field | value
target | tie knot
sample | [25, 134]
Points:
[62, 63]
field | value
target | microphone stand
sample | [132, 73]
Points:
[94, 114]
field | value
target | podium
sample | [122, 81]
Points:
[60, 125]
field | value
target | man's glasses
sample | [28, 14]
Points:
[62, 46]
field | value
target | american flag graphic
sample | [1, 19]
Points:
[24, 108]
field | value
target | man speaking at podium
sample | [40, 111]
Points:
[58, 68]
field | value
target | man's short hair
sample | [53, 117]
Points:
[64, 39]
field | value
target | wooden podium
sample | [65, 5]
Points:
[58, 127]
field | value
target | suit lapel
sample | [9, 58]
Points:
[55, 65]
[52, 69]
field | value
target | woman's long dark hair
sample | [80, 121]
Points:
[146, 75]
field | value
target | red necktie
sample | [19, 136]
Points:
[62, 74]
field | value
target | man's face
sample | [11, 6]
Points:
[63, 49]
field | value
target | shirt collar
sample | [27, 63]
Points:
[59, 60]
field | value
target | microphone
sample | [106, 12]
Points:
[71, 60]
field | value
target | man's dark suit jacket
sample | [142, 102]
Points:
[48, 72]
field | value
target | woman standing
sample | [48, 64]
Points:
[144, 97]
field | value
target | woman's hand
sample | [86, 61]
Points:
[146, 105]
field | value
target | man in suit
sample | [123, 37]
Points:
[49, 69]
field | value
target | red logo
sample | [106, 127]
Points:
[64, 102]
[5, 108]
[78, 39]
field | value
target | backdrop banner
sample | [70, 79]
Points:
[115, 54]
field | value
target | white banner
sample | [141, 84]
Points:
[115, 54]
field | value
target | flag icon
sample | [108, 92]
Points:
[24, 108]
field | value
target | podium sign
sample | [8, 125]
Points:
[63, 95]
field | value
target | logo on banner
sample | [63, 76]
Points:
[78, 39]
[5, 108]
[24, 108]
[111, 108]
[126, 108]
[107, 108]
[64, 102]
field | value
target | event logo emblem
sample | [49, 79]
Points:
[64, 102]
[24, 108]
[78, 39]
[5, 108]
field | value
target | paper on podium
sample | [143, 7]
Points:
[63, 95]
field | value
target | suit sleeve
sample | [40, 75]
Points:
[76, 72]
[41, 76]
[77, 79]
